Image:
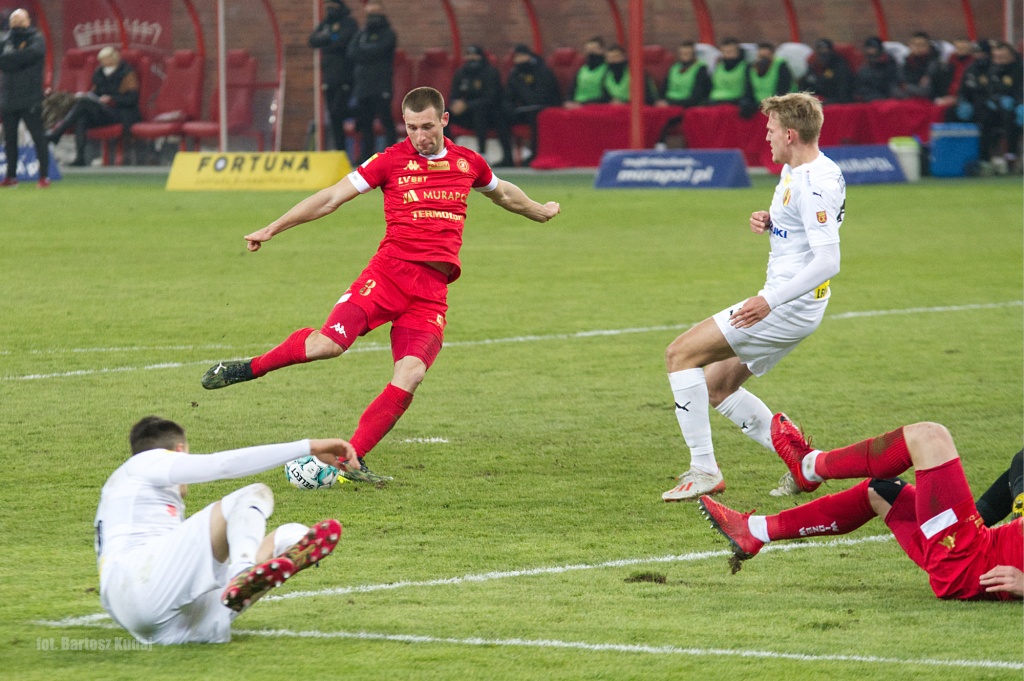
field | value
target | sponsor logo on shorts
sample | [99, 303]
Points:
[438, 321]
[413, 165]
[463, 165]
[368, 287]
[949, 541]
[822, 216]
[340, 330]
[438, 165]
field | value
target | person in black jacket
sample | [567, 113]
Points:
[923, 74]
[22, 53]
[372, 51]
[114, 99]
[531, 87]
[877, 78]
[476, 102]
[332, 37]
[828, 74]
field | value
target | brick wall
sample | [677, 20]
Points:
[498, 25]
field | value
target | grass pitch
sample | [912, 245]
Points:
[541, 439]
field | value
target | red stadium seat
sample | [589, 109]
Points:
[435, 69]
[179, 100]
[241, 76]
[564, 62]
[76, 69]
[851, 53]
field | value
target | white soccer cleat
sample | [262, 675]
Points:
[695, 483]
[787, 487]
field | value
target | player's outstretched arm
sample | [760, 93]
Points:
[1004, 578]
[514, 200]
[324, 202]
[335, 452]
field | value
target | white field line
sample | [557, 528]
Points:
[377, 347]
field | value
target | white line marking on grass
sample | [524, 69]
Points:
[371, 347]
[102, 621]
[426, 440]
[559, 569]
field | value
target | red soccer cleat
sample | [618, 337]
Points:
[250, 584]
[44, 183]
[792, 447]
[733, 526]
[314, 547]
[9, 182]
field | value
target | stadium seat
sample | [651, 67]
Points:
[851, 53]
[117, 133]
[564, 62]
[241, 77]
[657, 62]
[709, 54]
[796, 56]
[179, 100]
[76, 69]
[897, 51]
[435, 69]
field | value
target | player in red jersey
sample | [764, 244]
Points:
[426, 181]
[936, 523]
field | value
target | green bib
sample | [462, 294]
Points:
[680, 83]
[588, 83]
[618, 90]
[764, 86]
[728, 85]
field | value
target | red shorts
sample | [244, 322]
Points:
[409, 295]
[939, 527]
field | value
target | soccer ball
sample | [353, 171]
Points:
[309, 472]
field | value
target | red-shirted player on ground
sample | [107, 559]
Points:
[936, 522]
[426, 181]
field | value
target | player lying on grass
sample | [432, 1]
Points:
[170, 580]
[426, 181]
[935, 522]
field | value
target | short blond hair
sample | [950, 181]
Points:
[800, 111]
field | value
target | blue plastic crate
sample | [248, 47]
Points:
[953, 147]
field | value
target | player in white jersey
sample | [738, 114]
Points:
[170, 580]
[708, 364]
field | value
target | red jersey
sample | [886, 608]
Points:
[424, 199]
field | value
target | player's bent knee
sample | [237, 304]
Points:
[930, 444]
[256, 495]
[882, 494]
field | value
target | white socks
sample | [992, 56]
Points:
[758, 526]
[246, 512]
[807, 466]
[691, 396]
[287, 535]
[752, 416]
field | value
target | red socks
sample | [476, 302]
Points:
[833, 514]
[379, 418]
[885, 456]
[291, 351]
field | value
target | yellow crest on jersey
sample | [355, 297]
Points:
[786, 196]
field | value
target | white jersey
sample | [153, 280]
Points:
[807, 211]
[136, 505]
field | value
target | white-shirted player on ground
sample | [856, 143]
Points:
[169, 580]
[710, 362]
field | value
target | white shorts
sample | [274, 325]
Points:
[763, 345]
[168, 590]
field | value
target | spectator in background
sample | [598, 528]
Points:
[922, 74]
[1003, 113]
[687, 82]
[729, 78]
[114, 98]
[616, 82]
[531, 87]
[877, 78]
[957, 65]
[22, 54]
[586, 86]
[332, 37]
[828, 75]
[769, 75]
[372, 53]
[477, 102]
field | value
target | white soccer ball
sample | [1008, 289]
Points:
[309, 472]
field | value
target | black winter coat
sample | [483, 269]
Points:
[22, 54]
[372, 51]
